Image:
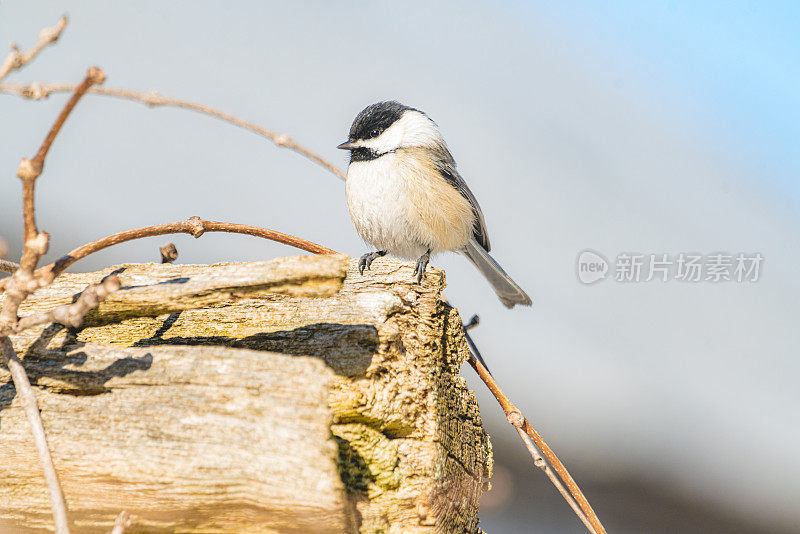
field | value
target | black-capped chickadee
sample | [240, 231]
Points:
[407, 199]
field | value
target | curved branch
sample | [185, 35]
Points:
[194, 226]
[37, 91]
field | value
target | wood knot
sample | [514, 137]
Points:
[196, 227]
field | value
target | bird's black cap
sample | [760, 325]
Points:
[374, 119]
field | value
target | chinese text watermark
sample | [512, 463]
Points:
[683, 267]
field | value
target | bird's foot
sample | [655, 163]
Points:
[367, 259]
[422, 263]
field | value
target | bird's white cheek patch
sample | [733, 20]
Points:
[412, 129]
[417, 130]
[387, 141]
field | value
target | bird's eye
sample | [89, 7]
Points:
[375, 133]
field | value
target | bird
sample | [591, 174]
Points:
[407, 199]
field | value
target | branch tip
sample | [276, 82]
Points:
[474, 321]
[16, 58]
[95, 76]
[169, 253]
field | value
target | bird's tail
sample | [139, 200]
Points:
[508, 290]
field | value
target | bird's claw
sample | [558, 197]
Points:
[366, 260]
[422, 264]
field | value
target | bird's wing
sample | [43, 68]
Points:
[447, 168]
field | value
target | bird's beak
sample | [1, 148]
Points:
[347, 145]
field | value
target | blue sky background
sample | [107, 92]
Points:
[733, 65]
[617, 126]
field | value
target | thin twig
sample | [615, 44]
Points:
[30, 170]
[31, 407]
[8, 266]
[37, 91]
[542, 464]
[516, 418]
[193, 226]
[16, 59]
[473, 322]
[19, 286]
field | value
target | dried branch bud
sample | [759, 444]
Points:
[25, 171]
[515, 418]
[196, 226]
[39, 244]
[95, 75]
[35, 248]
[35, 91]
[168, 253]
[15, 58]
[282, 140]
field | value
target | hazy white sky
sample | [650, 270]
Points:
[575, 128]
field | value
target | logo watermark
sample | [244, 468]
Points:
[683, 267]
[592, 267]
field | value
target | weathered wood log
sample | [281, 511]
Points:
[286, 396]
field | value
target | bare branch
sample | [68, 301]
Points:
[23, 282]
[169, 253]
[583, 509]
[16, 59]
[31, 407]
[29, 170]
[8, 266]
[72, 315]
[473, 322]
[194, 226]
[122, 522]
[37, 91]
[542, 464]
